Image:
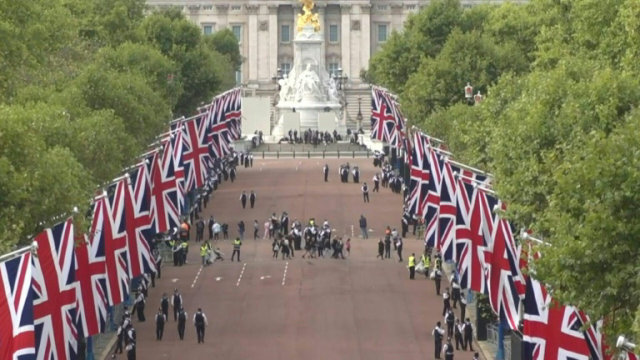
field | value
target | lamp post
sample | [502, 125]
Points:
[477, 98]
[359, 116]
[468, 94]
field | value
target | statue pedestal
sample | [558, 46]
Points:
[309, 89]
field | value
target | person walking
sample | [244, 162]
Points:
[463, 305]
[365, 192]
[363, 226]
[380, 249]
[139, 306]
[459, 328]
[241, 229]
[256, 228]
[276, 248]
[387, 247]
[161, 318]
[252, 198]
[446, 303]
[437, 334]
[236, 249]
[426, 260]
[200, 322]
[176, 302]
[449, 319]
[182, 321]
[412, 266]
[348, 246]
[448, 350]
[205, 252]
[199, 230]
[399, 244]
[266, 226]
[164, 305]
[243, 199]
[455, 289]
[468, 334]
[325, 172]
[437, 278]
[376, 183]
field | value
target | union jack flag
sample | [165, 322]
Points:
[165, 209]
[387, 122]
[551, 331]
[197, 159]
[138, 223]
[233, 112]
[470, 242]
[54, 294]
[92, 285]
[419, 176]
[504, 278]
[177, 146]
[111, 225]
[433, 198]
[594, 336]
[17, 339]
[219, 130]
[447, 213]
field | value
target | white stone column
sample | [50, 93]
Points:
[252, 35]
[365, 36]
[274, 28]
[345, 37]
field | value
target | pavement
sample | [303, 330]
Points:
[265, 308]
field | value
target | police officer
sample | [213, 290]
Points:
[161, 318]
[458, 329]
[468, 334]
[243, 199]
[437, 333]
[365, 192]
[437, 277]
[449, 319]
[412, 266]
[200, 321]
[236, 248]
[325, 172]
[176, 301]
[131, 343]
[139, 306]
[448, 350]
[164, 305]
[252, 198]
[376, 183]
[182, 320]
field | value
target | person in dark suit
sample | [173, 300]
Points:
[252, 198]
[325, 172]
[243, 199]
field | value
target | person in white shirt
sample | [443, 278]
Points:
[200, 321]
[437, 334]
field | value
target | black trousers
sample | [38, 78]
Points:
[438, 349]
[244, 203]
[181, 330]
[200, 332]
[412, 272]
[159, 331]
[234, 253]
[437, 281]
[468, 341]
[252, 203]
[365, 197]
[459, 342]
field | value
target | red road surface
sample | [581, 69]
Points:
[358, 308]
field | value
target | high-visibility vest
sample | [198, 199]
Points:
[203, 250]
[236, 244]
[412, 261]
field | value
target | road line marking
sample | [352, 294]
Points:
[241, 273]
[284, 276]
[196, 279]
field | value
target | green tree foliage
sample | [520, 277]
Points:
[225, 43]
[558, 129]
[85, 86]
[201, 68]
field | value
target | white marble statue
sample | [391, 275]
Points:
[308, 85]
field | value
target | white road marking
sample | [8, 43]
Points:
[265, 277]
[284, 276]
[218, 278]
[174, 280]
[196, 279]
[241, 273]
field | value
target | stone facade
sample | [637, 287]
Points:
[353, 30]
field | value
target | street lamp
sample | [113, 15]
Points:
[339, 78]
[468, 93]
[359, 116]
[477, 98]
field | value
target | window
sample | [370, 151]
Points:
[236, 7]
[207, 7]
[207, 29]
[382, 33]
[333, 68]
[333, 33]
[237, 31]
[285, 68]
[285, 34]
[383, 7]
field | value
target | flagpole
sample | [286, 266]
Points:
[430, 137]
[155, 150]
[14, 254]
[475, 181]
[184, 119]
[525, 236]
[477, 171]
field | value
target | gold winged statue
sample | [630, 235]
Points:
[308, 17]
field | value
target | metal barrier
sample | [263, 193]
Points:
[316, 154]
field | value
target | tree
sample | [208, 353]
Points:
[226, 43]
